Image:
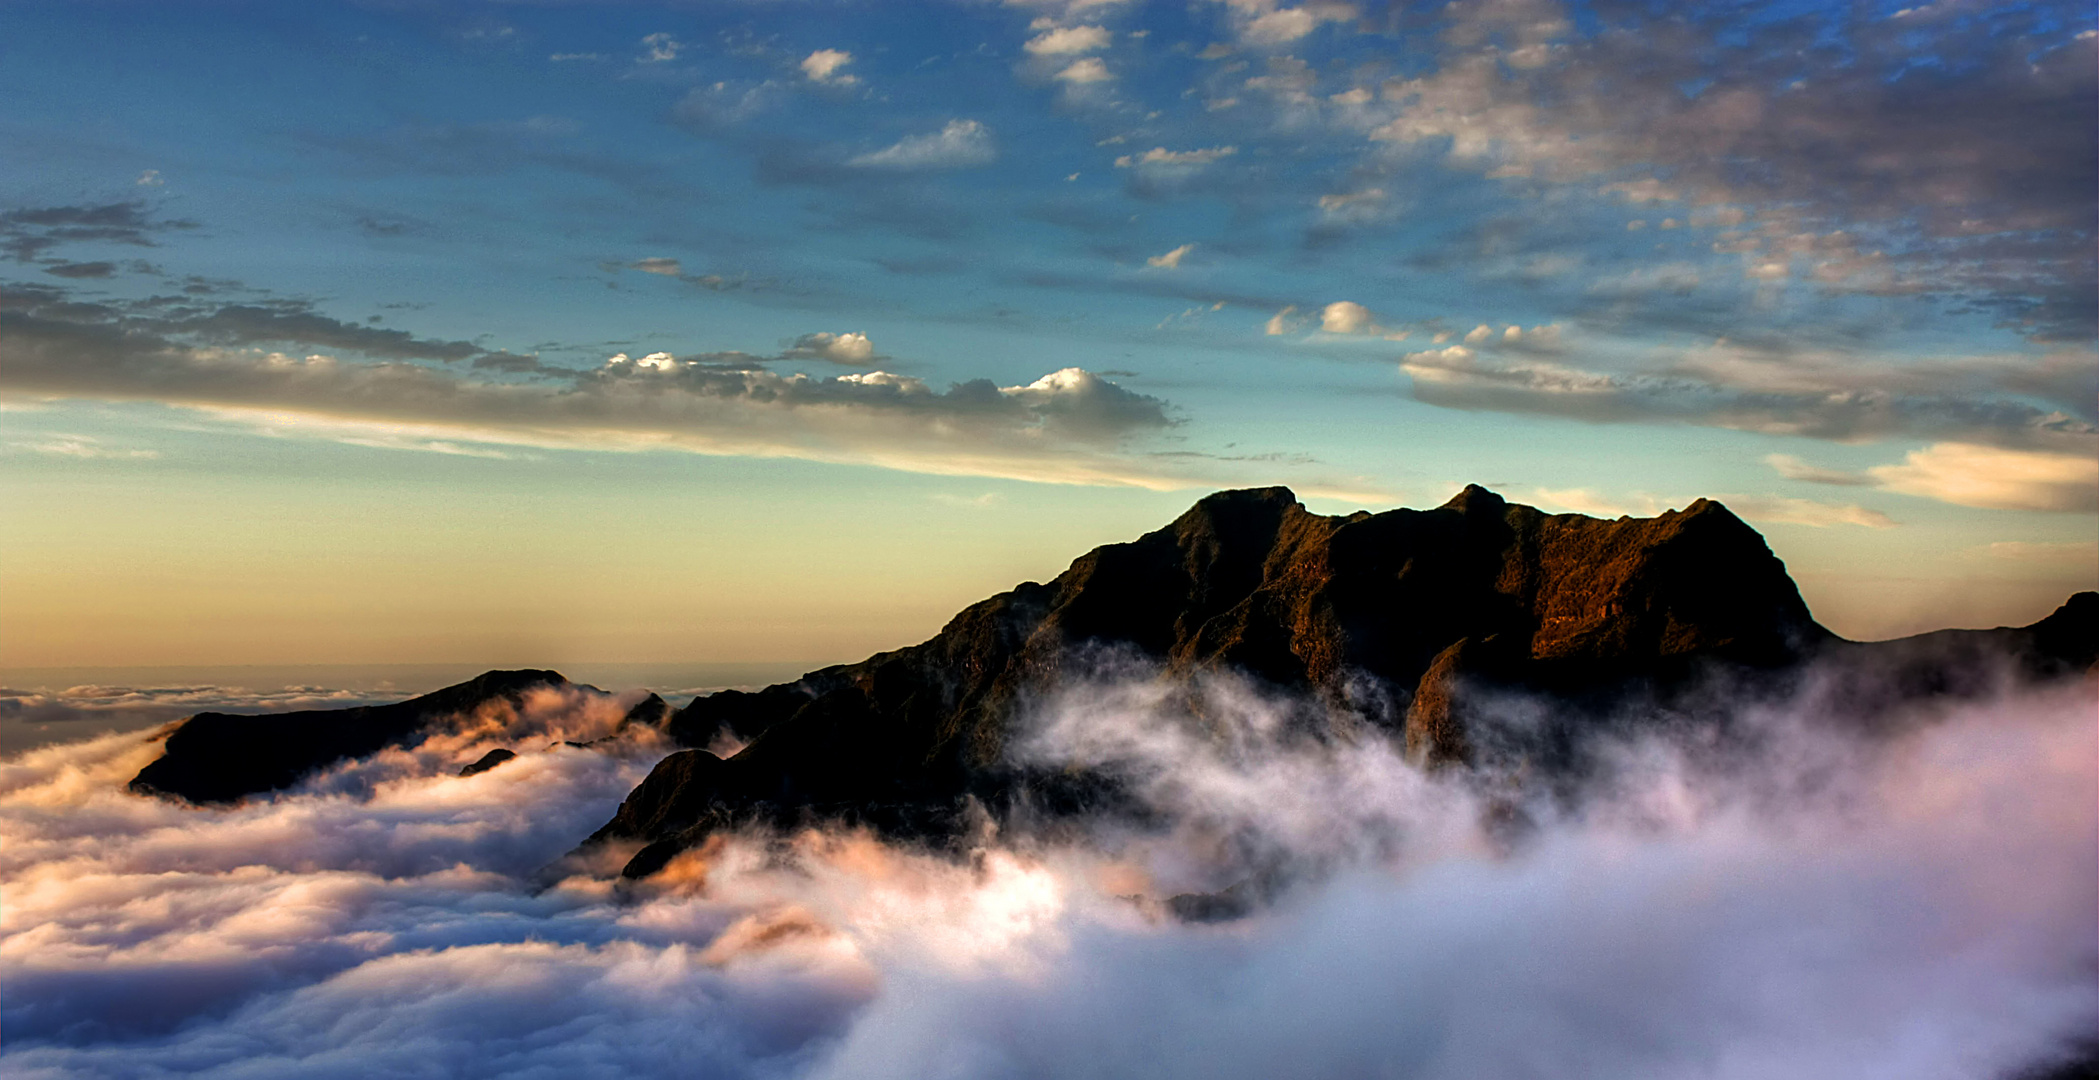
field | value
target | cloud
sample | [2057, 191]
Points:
[1160, 158]
[27, 233]
[82, 270]
[35, 717]
[1069, 41]
[1282, 322]
[1086, 72]
[1792, 468]
[396, 916]
[1064, 428]
[81, 446]
[958, 145]
[1996, 478]
[827, 66]
[849, 348]
[1346, 317]
[1974, 179]
[660, 48]
[1815, 514]
[1267, 23]
[1171, 259]
[665, 267]
[1781, 391]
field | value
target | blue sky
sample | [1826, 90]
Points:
[830, 318]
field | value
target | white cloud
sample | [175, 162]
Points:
[660, 48]
[825, 65]
[1968, 474]
[1069, 41]
[665, 267]
[1346, 317]
[1162, 158]
[149, 178]
[1265, 23]
[848, 348]
[960, 144]
[1478, 334]
[1282, 322]
[1171, 259]
[1086, 72]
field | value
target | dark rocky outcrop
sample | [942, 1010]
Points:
[221, 757]
[488, 761]
[1418, 604]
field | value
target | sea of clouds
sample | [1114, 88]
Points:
[1788, 901]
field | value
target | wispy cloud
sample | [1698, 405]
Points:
[958, 145]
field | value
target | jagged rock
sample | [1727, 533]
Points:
[221, 757]
[651, 711]
[488, 761]
[1249, 580]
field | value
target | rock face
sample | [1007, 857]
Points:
[221, 757]
[1413, 601]
[488, 761]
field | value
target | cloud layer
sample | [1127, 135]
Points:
[1804, 905]
[1064, 427]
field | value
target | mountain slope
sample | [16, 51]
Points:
[1413, 601]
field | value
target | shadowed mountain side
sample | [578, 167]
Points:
[1384, 613]
[221, 757]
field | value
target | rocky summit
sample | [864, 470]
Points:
[1416, 603]
[217, 757]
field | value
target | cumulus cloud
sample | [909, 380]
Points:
[852, 348]
[960, 144]
[1996, 478]
[1282, 322]
[828, 66]
[1064, 428]
[1085, 72]
[1268, 23]
[1801, 908]
[1069, 40]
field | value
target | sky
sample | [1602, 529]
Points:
[512, 334]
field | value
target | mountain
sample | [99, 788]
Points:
[221, 757]
[1402, 618]
[1417, 604]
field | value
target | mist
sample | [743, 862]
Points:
[1779, 899]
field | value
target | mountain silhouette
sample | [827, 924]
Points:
[1406, 618]
[1418, 605]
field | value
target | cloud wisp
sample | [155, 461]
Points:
[1802, 909]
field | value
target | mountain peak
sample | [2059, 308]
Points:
[1420, 602]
